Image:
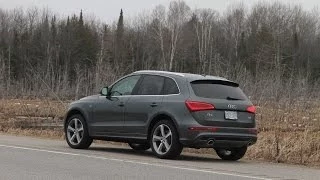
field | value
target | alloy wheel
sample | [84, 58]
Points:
[162, 139]
[75, 131]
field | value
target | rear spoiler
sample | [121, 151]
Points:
[208, 81]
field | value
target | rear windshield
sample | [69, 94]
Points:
[217, 89]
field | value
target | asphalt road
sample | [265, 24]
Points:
[33, 158]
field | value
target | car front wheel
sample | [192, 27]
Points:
[76, 132]
[164, 140]
[232, 154]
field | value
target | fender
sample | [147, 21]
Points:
[73, 109]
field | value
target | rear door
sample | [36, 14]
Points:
[146, 101]
[231, 106]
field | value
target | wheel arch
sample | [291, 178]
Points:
[74, 111]
[158, 117]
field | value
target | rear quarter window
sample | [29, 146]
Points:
[216, 89]
[170, 87]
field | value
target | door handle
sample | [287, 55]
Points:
[154, 104]
[121, 104]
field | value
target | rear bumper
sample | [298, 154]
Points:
[224, 138]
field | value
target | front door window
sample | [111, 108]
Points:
[124, 86]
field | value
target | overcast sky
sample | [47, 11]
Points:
[108, 10]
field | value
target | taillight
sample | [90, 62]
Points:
[251, 109]
[198, 106]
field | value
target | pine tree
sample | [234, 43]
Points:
[120, 27]
[119, 43]
[81, 19]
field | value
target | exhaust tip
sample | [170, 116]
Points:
[210, 142]
[250, 143]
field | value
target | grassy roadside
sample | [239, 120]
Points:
[56, 134]
[289, 133]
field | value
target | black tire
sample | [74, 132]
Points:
[232, 154]
[175, 148]
[86, 140]
[139, 147]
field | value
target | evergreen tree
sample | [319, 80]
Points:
[81, 19]
[119, 42]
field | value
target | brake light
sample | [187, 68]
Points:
[198, 106]
[251, 109]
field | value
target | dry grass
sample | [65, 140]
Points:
[22, 114]
[33, 108]
[284, 116]
[289, 132]
[41, 133]
[287, 147]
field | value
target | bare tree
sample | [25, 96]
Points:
[159, 16]
[178, 14]
[272, 49]
[204, 31]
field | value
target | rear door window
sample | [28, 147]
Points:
[151, 85]
[216, 89]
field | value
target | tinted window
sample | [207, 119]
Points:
[218, 90]
[151, 85]
[170, 87]
[124, 86]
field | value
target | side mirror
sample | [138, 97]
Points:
[104, 91]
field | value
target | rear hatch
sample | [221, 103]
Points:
[220, 103]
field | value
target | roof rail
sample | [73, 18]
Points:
[164, 72]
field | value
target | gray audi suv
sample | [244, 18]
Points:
[166, 111]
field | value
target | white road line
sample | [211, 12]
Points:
[134, 162]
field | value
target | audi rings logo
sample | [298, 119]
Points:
[232, 106]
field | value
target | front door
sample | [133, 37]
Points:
[109, 111]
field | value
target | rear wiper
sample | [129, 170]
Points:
[233, 99]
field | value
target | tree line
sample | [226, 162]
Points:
[271, 49]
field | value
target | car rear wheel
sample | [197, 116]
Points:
[139, 147]
[232, 154]
[76, 132]
[164, 140]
